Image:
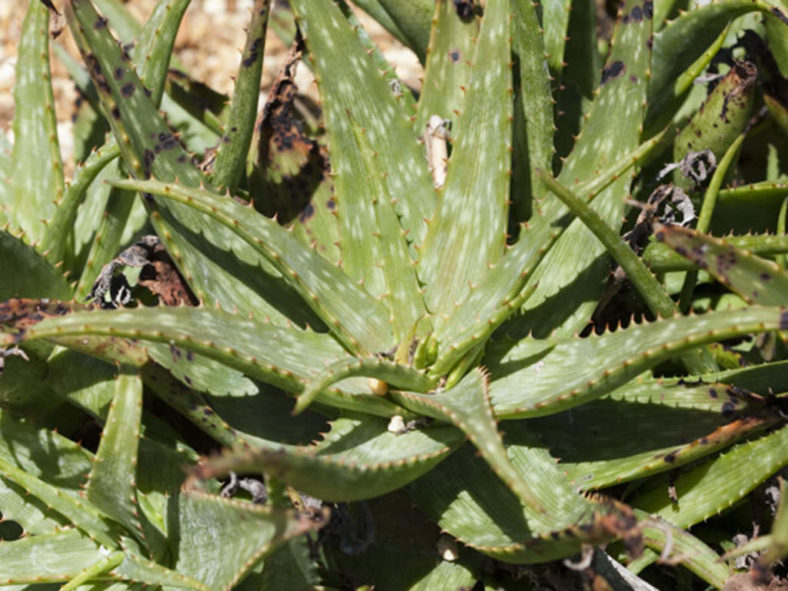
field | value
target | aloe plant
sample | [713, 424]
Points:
[357, 324]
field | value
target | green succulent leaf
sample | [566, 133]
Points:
[333, 296]
[715, 485]
[42, 454]
[497, 297]
[84, 515]
[447, 67]
[149, 147]
[411, 17]
[107, 240]
[474, 198]
[555, 377]
[240, 343]
[201, 373]
[757, 280]
[721, 120]
[570, 276]
[465, 499]
[389, 373]
[467, 406]
[696, 555]
[37, 177]
[54, 557]
[661, 258]
[381, 262]
[359, 94]
[56, 240]
[358, 459]
[555, 21]
[111, 482]
[683, 41]
[241, 532]
[28, 274]
[237, 136]
[401, 91]
[661, 426]
[533, 114]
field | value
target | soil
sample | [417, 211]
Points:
[208, 45]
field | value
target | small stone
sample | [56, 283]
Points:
[396, 424]
[447, 548]
[378, 387]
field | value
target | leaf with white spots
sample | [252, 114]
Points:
[475, 196]
[37, 169]
[448, 66]
[214, 261]
[571, 275]
[283, 357]
[356, 318]
[353, 90]
[239, 532]
[526, 382]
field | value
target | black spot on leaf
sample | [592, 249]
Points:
[306, 213]
[127, 90]
[100, 23]
[648, 9]
[118, 73]
[454, 55]
[254, 52]
[781, 15]
[465, 8]
[147, 161]
[612, 71]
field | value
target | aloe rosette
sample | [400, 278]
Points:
[429, 329]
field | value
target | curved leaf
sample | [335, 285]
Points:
[714, 486]
[465, 500]
[575, 371]
[467, 406]
[325, 288]
[358, 459]
[757, 280]
[241, 532]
